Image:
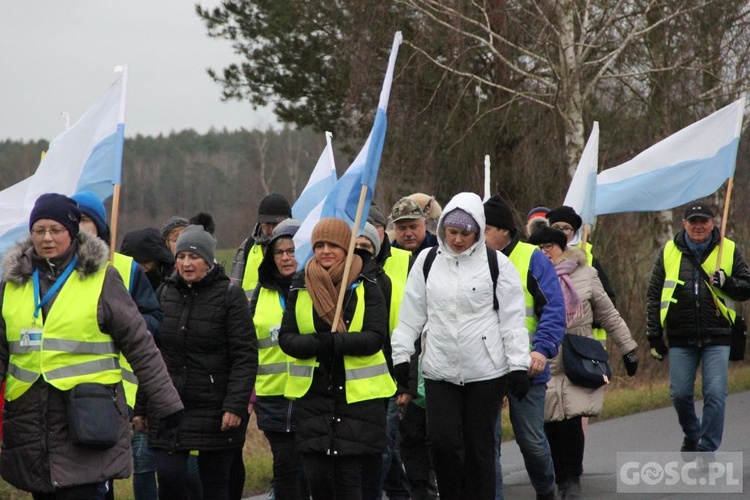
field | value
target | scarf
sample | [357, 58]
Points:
[573, 307]
[324, 285]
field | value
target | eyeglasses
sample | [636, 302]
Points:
[546, 247]
[54, 231]
[279, 253]
[564, 229]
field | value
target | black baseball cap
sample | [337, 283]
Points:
[699, 210]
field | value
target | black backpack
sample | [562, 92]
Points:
[491, 260]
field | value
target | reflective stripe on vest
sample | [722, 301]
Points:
[520, 257]
[397, 268]
[250, 278]
[71, 349]
[672, 257]
[124, 266]
[273, 363]
[367, 377]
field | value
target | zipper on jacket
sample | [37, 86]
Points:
[289, 416]
[696, 296]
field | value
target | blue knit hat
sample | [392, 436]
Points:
[93, 208]
[59, 208]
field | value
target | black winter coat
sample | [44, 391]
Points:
[326, 423]
[692, 320]
[212, 357]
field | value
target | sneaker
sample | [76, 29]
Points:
[690, 444]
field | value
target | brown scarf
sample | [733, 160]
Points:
[324, 285]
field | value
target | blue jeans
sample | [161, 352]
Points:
[527, 418]
[144, 468]
[683, 367]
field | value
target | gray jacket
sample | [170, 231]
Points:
[37, 453]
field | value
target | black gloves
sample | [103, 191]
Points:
[519, 383]
[168, 425]
[631, 362]
[720, 279]
[325, 344]
[401, 372]
[658, 348]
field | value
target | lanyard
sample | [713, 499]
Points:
[55, 286]
[282, 301]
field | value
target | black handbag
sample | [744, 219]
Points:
[92, 416]
[585, 361]
[739, 339]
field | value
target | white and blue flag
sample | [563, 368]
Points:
[687, 165]
[582, 191]
[87, 156]
[321, 182]
[343, 200]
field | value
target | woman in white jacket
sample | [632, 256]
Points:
[471, 350]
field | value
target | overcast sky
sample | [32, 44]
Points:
[59, 55]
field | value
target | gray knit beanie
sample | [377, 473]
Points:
[199, 241]
[371, 234]
[171, 224]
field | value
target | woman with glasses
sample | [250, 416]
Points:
[277, 416]
[565, 403]
[66, 316]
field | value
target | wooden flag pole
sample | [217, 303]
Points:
[113, 223]
[727, 199]
[349, 257]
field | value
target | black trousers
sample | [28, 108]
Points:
[213, 469]
[289, 482]
[415, 455]
[461, 436]
[566, 442]
[334, 478]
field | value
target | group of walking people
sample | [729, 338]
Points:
[381, 366]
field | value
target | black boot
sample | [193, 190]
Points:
[573, 488]
[550, 495]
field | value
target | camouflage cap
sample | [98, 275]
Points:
[406, 208]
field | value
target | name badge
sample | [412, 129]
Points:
[274, 330]
[31, 337]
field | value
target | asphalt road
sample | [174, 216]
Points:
[653, 431]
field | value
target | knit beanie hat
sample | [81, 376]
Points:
[273, 209]
[332, 230]
[565, 214]
[461, 219]
[93, 208]
[498, 213]
[547, 234]
[197, 240]
[371, 234]
[287, 227]
[173, 223]
[540, 211]
[376, 217]
[59, 208]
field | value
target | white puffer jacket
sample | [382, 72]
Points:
[466, 339]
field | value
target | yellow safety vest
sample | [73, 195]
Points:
[124, 266]
[273, 363]
[397, 268]
[367, 377]
[672, 260]
[70, 350]
[250, 278]
[520, 257]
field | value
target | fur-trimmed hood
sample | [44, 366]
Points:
[572, 253]
[18, 262]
